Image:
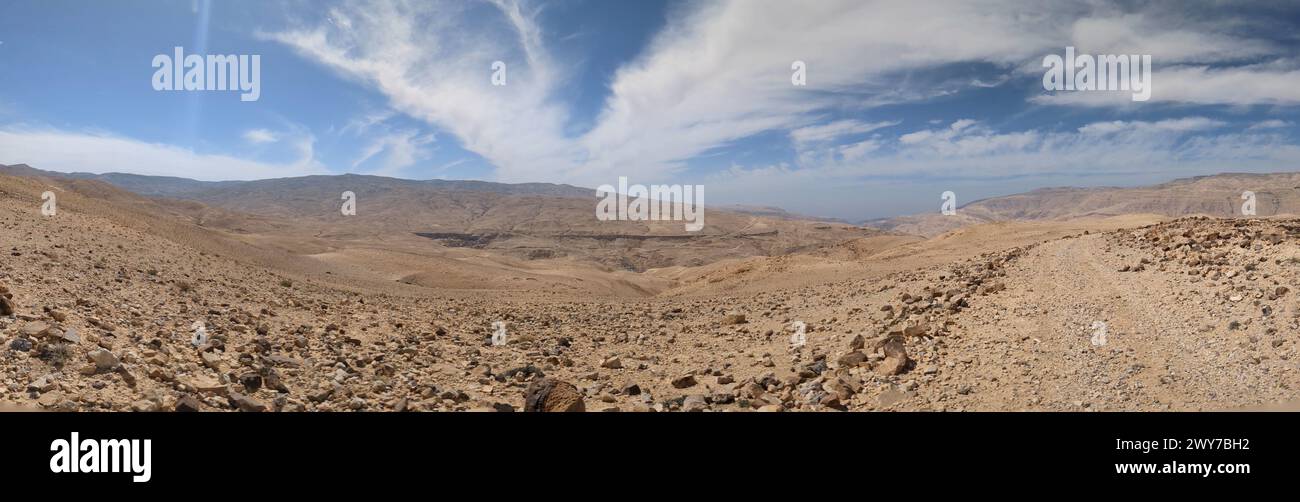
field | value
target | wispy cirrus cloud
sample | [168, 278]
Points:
[432, 60]
[394, 152]
[260, 136]
[1271, 124]
[834, 130]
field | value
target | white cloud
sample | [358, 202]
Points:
[433, 62]
[1168, 40]
[721, 72]
[834, 130]
[403, 148]
[817, 144]
[1180, 125]
[362, 124]
[260, 136]
[859, 150]
[1270, 124]
[69, 151]
[1200, 85]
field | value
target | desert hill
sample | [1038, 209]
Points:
[460, 235]
[1217, 195]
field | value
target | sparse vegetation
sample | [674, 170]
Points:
[55, 354]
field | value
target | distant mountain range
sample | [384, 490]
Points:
[1218, 195]
[170, 186]
[449, 206]
[528, 220]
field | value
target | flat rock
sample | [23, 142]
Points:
[103, 359]
[684, 381]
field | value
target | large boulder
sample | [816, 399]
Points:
[551, 395]
[896, 360]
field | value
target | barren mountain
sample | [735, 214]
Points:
[416, 231]
[1218, 195]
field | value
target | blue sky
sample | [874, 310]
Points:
[904, 100]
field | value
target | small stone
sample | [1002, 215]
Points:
[34, 329]
[694, 403]
[612, 363]
[916, 330]
[684, 381]
[42, 384]
[211, 360]
[852, 359]
[50, 399]
[7, 306]
[245, 403]
[833, 402]
[251, 381]
[272, 380]
[321, 395]
[209, 386]
[891, 397]
[126, 374]
[71, 336]
[103, 359]
[188, 403]
[632, 390]
[734, 318]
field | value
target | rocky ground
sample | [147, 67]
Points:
[1188, 314]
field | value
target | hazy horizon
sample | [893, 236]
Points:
[857, 220]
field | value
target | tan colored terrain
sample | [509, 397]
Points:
[1276, 194]
[304, 313]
